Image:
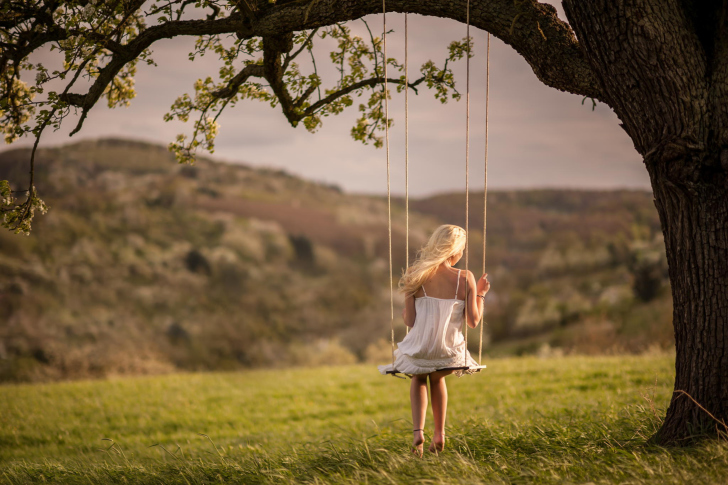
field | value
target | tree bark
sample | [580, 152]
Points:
[694, 218]
[668, 89]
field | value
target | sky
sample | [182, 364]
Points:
[538, 136]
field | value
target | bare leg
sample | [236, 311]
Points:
[418, 400]
[438, 389]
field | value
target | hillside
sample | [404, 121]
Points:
[145, 266]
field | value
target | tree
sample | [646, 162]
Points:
[661, 65]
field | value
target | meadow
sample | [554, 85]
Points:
[523, 420]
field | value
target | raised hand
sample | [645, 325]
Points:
[483, 285]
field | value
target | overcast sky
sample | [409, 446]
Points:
[539, 137]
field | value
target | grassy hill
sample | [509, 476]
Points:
[523, 420]
[146, 266]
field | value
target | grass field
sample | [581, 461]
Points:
[523, 420]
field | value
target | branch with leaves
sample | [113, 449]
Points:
[272, 75]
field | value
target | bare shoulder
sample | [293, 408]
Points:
[467, 278]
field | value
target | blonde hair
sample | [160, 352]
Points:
[445, 242]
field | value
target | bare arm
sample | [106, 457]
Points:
[409, 313]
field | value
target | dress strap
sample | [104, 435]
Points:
[423, 290]
[458, 286]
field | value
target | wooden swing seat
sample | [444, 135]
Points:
[476, 368]
[396, 373]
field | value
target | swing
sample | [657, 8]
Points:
[480, 366]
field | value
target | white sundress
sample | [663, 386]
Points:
[436, 340]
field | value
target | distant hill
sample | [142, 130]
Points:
[143, 266]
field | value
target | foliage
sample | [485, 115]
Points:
[359, 62]
[17, 217]
[523, 420]
[100, 44]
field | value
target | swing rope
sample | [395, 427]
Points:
[406, 151]
[389, 192]
[485, 181]
[467, 168]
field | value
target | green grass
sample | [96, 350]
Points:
[523, 420]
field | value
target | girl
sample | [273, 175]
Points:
[435, 309]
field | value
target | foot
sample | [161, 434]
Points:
[437, 444]
[418, 441]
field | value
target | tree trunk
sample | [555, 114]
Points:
[694, 218]
[663, 81]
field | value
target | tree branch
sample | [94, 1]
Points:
[240, 78]
[290, 57]
[146, 38]
[547, 43]
[273, 48]
[353, 87]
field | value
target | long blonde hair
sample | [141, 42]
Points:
[445, 242]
